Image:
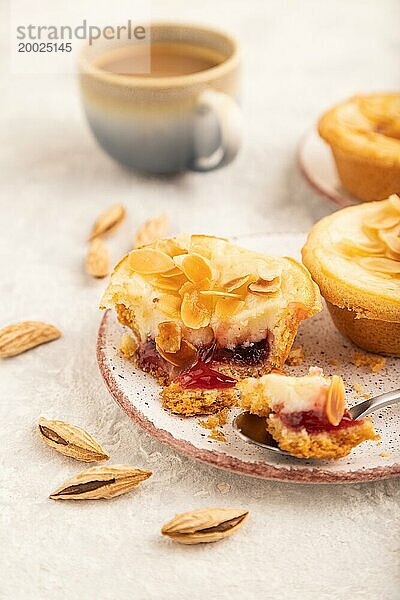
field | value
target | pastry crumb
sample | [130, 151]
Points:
[384, 454]
[213, 422]
[358, 387]
[334, 362]
[223, 487]
[374, 362]
[128, 346]
[296, 356]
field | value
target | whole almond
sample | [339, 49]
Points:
[71, 440]
[97, 259]
[101, 482]
[108, 221]
[19, 337]
[204, 525]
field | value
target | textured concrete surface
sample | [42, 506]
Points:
[299, 542]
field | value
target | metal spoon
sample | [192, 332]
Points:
[252, 428]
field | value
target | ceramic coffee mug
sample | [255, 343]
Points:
[171, 123]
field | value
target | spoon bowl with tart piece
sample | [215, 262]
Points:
[292, 438]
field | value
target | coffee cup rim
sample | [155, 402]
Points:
[135, 81]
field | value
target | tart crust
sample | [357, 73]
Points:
[364, 135]
[196, 402]
[332, 445]
[364, 305]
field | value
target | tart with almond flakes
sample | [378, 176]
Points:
[364, 135]
[354, 257]
[204, 313]
[306, 415]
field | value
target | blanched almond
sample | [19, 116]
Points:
[108, 221]
[148, 260]
[97, 259]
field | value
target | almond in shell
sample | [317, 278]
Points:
[101, 482]
[19, 337]
[71, 440]
[204, 525]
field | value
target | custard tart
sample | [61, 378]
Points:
[354, 257]
[364, 135]
[204, 312]
[306, 416]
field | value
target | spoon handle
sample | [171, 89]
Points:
[368, 406]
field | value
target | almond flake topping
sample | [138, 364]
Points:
[219, 294]
[335, 402]
[383, 265]
[380, 253]
[148, 260]
[263, 286]
[195, 267]
[184, 358]
[193, 289]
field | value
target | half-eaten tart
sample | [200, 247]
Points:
[199, 305]
[306, 415]
[354, 256]
[364, 135]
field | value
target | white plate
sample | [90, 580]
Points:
[318, 167]
[138, 395]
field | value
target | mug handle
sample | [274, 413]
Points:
[228, 115]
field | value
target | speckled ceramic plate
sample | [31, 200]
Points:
[138, 395]
[318, 167]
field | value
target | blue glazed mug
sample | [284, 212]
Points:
[167, 124]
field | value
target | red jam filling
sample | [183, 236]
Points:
[202, 377]
[314, 423]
